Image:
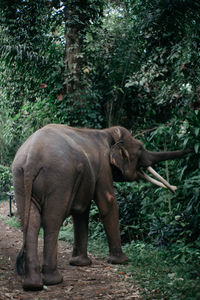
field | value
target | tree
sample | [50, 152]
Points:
[77, 20]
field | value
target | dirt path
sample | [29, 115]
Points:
[99, 281]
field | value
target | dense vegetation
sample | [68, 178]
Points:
[133, 63]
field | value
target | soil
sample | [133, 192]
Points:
[98, 281]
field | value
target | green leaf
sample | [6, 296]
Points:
[185, 141]
[196, 131]
[196, 148]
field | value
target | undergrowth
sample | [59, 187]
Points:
[161, 274]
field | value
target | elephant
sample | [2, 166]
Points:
[57, 172]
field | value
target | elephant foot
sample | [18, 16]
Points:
[52, 277]
[80, 261]
[35, 284]
[118, 259]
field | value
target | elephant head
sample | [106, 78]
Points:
[129, 158]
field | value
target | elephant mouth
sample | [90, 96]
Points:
[160, 181]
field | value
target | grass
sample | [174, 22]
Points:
[161, 276]
[12, 221]
[66, 233]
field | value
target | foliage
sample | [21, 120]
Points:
[159, 71]
[6, 138]
[129, 211]
[29, 45]
[108, 67]
[74, 112]
[5, 182]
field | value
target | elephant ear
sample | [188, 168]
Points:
[118, 155]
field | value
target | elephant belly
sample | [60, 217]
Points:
[83, 197]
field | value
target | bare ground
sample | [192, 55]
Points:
[98, 281]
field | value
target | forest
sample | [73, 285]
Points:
[96, 64]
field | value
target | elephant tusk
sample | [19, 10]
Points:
[148, 178]
[154, 181]
[161, 179]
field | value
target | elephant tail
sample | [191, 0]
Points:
[20, 263]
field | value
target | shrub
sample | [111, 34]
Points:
[5, 182]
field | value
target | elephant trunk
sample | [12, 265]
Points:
[155, 157]
[150, 158]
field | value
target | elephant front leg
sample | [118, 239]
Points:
[79, 254]
[108, 208]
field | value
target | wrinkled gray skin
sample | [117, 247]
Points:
[56, 173]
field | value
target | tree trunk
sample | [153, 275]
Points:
[76, 24]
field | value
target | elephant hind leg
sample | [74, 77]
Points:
[52, 218]
[32, 277]
[50, 272]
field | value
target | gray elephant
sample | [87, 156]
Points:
[56, 173]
